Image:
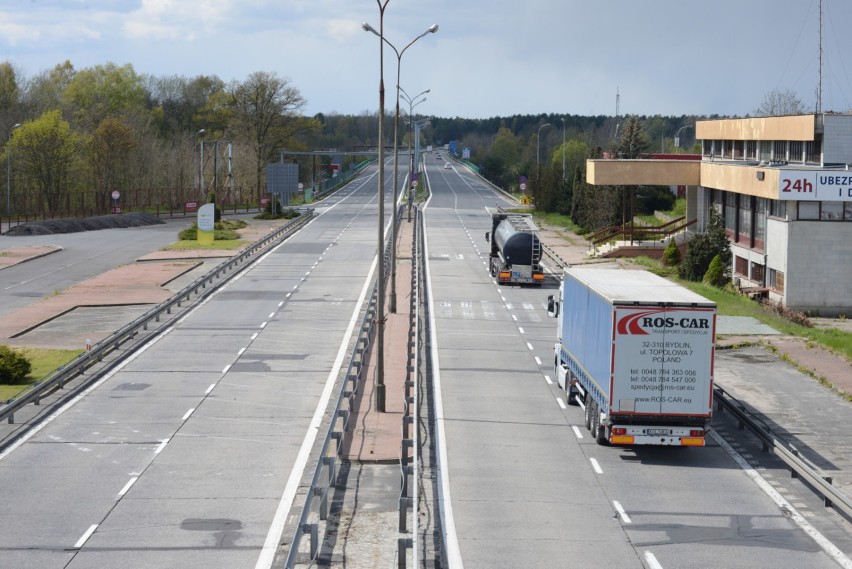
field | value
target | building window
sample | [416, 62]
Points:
[760, 223]
[765, 150]
[707, 146]
[831, 211]
[779, 150]
[741, 266]
[756, 272]
[751, 149]
[813, 151]
[796, 151]
[738, 150]
[731, 213]
[847, 211]
[778, 208]
[808, 211]
[776, 280]
[744, 227]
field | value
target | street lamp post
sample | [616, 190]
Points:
[538, 150]
[411, 104]
[432, 29]
[9, 174]
[563, 149]
[196, 158]
[677, 135]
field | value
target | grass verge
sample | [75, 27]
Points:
[44, 361]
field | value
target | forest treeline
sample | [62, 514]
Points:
[73, 136]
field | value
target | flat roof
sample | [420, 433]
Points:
[627, 287]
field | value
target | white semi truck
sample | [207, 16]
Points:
[636, 352]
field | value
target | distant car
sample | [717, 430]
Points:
[438, 157]
[447, 166]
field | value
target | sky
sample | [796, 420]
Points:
[488, 58]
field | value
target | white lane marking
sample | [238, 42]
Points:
[782, 503]
[287, 295]
[530, 346]
[280, 304]
[263, 325]
[271, 315]
[561, 403]
[270, 544]
[187, 414]
[652, 561]
[226, 368]
[451, 539]
[294, 287]
[521, 330]
[254, 336]
[538, 361]
[127, 486]
[85, 537]
[577, 432]
[239, 353]
[618, 508]
[515, 318]
[596, 466]
[162, 445]
[306, 274]
[209, 389]
[548, 380]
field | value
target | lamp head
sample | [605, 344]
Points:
[433, 28]
[368, 28]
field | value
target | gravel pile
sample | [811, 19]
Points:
[73, 225]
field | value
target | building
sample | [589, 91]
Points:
[784, 188]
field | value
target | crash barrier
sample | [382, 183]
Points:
[189, 296]
[799, 466]
[410, 445]
[316, 508]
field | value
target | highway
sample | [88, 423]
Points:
[523, 484]
[190, 453]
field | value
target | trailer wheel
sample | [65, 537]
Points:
[600, 434]
[492, 269]
[588, 414]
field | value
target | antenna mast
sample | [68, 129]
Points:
[819, 87]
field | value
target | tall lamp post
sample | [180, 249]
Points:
[563, 149]
[9, 174]
[399, 53]
[412, 102]
[677, 135]
[380, 283]
[538, 150]
[196, 158]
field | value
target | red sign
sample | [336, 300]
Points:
[264, 202]
[116, 209]
[190, 206]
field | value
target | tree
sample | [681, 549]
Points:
[111, 146]
[14, 367]
[47, 156]
[633, 140]
[703, 247]
[266, 114]
[671, 254]
[776, 103]
[9, 91]
[103, 91]
[715, 274]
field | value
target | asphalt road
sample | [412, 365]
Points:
[189, 454]
[525, 484]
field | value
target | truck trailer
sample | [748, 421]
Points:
[515, 249]
[636, 351]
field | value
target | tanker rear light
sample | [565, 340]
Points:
[621, 439]
[505, 275]
[696, 433]
[619, 431]
[538, 276]
[692, 441]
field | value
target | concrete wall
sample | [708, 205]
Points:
[797, 127]
[740, 178]
[776, 254]
[837, 139]
[642, 172]
[819, 271]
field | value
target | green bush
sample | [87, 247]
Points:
[703, 247]
[715, 274]
[289, 213]
[222, 231]
[14, 368]
[671, 255]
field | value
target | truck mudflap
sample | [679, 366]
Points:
[657, 435]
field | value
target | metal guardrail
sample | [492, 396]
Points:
[198, 289]
[799, 466]
[321, 485]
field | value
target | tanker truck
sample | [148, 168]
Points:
[515, 250]
[636, 352]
